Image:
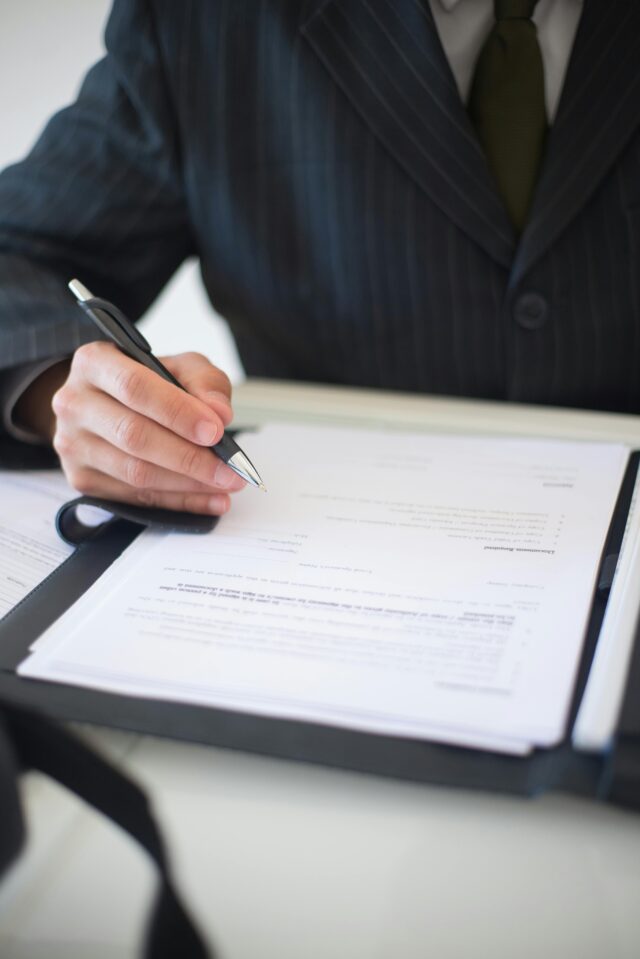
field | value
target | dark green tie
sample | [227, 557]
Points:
[506, 105]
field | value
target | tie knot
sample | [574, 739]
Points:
[514, 9]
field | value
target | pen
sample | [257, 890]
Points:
[121, 331]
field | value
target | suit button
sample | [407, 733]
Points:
[530, 311]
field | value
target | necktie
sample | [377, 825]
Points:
[506, 105]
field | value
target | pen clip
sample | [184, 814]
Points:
[126, 327]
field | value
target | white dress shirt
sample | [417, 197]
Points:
[463, 26]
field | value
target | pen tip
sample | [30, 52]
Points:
[263, 487]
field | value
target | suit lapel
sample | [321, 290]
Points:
[598, 111]
[387, 58]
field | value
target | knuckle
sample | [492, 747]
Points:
[175, 411]
[189, 461]
[148, 497]
[86, 355]
[63, 402]
[63, 444]
[129, 386]
[192, 356]
[137, 473]
[130, 433]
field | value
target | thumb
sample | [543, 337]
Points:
[204, 380]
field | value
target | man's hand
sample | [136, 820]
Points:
[124, 433]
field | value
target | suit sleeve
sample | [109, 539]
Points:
[13, 383]
[100, 196]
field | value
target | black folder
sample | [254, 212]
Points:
[612, 776]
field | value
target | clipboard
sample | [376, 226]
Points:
[612, 776]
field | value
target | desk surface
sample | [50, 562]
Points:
[288, 861]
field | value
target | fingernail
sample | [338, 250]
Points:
[225, 478]
[207, 433]
[219, 504]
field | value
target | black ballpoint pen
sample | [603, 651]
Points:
[121, 331]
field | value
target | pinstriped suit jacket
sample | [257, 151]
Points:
[317, 158]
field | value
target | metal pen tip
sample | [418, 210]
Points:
[243, 466]
[262, 487]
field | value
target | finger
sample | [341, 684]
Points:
[200, 378]
[141, 438]
[93, 483]
[107, 369]
[136, 472]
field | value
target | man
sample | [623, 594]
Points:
[375, 199]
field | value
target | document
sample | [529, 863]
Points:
[30, 548]
[430, 586]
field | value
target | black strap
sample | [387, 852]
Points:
[40, 744]
[72, 530]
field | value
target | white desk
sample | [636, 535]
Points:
[285, 861]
